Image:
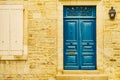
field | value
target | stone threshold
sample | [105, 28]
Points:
[81, 72]
[81, 77]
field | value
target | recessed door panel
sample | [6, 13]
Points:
[87, 29]
[70, 29]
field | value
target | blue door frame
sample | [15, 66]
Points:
[79, 37]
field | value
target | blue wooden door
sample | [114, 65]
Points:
[79, 38]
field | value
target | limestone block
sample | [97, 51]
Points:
[108, 52]
[31, 42]
[37, 15]
[118, 15]
[50, 5]
[117, 0]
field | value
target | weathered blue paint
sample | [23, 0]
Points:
[79, 37]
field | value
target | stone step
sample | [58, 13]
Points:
[81, 77]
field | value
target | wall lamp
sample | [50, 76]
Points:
[112, 13]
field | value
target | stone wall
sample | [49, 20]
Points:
[42, 43]
[43, 39]
[112, 41]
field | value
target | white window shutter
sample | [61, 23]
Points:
[16, 31]
[4, 32]
[11, 29]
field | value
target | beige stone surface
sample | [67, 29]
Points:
[44, 39]
[82, 77]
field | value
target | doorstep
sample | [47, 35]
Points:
[81, 77]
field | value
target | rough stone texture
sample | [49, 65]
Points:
[43, 39]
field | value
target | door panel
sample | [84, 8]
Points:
[70, 44]
[87, 30]
[87, 27]
[79, 40]
[71, 28]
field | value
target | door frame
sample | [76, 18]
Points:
[99, 35]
